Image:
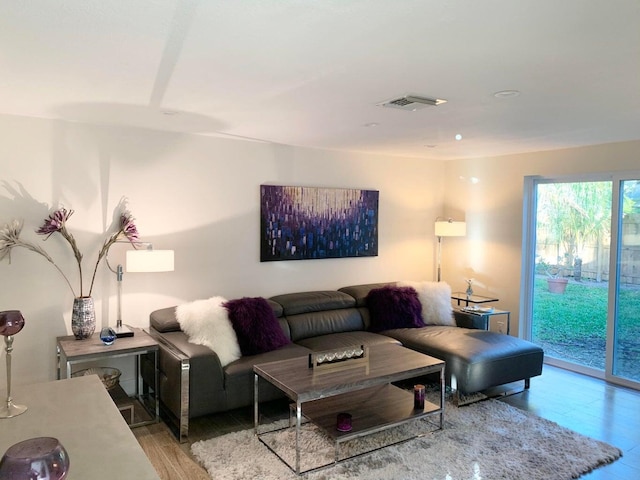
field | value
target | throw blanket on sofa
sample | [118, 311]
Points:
[207, 323]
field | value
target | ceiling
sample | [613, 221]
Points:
[311, 72]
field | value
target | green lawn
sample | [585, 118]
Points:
[573, 325]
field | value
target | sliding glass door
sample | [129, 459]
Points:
[625, 330]
[581, 267]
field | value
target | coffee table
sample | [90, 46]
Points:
[320, 396]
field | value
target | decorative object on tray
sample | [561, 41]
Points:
[40, 458]
[109, 377]
[123, 226]
[11, 322]
[308, 223]
[108, 335]
[346, 357]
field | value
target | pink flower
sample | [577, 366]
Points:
[55, 222]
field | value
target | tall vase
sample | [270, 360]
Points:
[83, 317]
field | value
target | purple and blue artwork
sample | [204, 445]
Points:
[306, 223]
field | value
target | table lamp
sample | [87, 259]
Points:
[145, 260]
[11, 322]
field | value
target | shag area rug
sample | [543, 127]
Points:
[483, 441]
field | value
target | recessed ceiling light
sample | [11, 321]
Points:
[506, 94]
[458, 136]
[169, 112]
[372, 124]
[431, 145]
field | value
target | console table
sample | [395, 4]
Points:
[79, 413]
[71, 352]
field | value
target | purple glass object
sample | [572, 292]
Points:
[11, 322]
[41, 458]
[344, 422]
[418, 397]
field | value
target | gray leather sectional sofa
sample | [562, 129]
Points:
[194, 383]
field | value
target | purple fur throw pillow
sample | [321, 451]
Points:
[394, 307]
[256, 326]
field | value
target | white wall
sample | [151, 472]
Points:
[491, 252]
[197, 195]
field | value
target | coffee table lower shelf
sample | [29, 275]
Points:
[372, 410]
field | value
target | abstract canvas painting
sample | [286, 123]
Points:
[305, 223]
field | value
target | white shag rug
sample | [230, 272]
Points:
[484, 441]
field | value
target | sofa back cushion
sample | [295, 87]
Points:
[310, 314]
[359, 293]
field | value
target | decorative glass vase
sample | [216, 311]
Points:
[83, 318]
[108, 335]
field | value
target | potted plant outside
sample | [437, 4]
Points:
[556, 283]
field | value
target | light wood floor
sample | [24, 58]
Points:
[584, 404]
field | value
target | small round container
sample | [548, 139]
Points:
[344, 422]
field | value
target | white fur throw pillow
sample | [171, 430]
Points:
[206, 322]
[435, 298]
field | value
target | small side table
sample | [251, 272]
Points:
[474, 299]
[71, 352]
[487, 313]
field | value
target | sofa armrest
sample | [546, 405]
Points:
[469, 320]
[191, 379]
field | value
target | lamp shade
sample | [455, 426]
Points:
[149, 261]
[449, 228]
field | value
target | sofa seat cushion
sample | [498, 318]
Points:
[345, 339]
[477, 359]
[238, 375]
[244, 365]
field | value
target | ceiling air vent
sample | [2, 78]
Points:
[412, 102]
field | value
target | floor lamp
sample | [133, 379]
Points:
[144, 260]
[447, 228]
